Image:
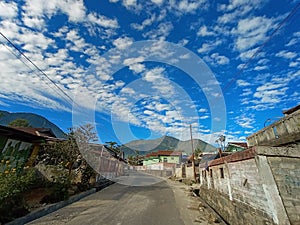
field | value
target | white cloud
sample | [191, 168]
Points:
[135, 64]
[270, 92]
[259, 68]
[286, 54]
[242, 83]
[245, 121]
[247, 92]
[8, 10]
[202, 110]
[203, 31]
[205, 48]
[74, 9]
[103, 21]
[238, 9]
[34, 22]
[154, 75]
[203, 117]
[145, 23]
[293, 64]
[161, 32]
[252, 31]
[123, 42]
[127, 90]
[219, 59]
[129, 3]
[246, 55]
[158, 2]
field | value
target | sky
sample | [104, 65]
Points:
[143, 69]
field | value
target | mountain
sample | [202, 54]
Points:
[33, 119]
[164, 143]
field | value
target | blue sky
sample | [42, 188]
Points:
[143, 69]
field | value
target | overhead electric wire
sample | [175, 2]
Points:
[69, 99]
[290, 15]
[9, 49]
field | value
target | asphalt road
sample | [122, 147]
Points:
[152, 202]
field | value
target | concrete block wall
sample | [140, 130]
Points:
[263, 181]
[232, 211]
[240, 183]
[286, 172]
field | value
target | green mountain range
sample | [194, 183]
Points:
[143, 147]
[33, 119]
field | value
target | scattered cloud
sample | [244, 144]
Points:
[123, 42]
[8, 10]
[286, 54]
[245, 121]
[102, 21]
[252, 31]
[242, 83]
[203, 31]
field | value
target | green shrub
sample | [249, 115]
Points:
[13, 185]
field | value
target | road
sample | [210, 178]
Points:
[162, 202]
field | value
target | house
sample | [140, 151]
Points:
[166, 156]
[236, 146]
[284, 131]
[259, 185]
[19, 146]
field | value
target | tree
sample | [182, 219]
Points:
[198, 151]
[114, 146]
[70, 151]
[19, 123]
[221, 142]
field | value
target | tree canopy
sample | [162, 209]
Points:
[19, 123]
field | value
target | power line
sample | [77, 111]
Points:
[9, 49]
[69, 99]
[291, 14]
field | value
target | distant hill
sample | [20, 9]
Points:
[164, 143]
[33, 119]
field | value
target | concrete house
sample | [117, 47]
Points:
[19, 146]
[165, 156]
[259, 185]
[236, 146]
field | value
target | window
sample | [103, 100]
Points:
[221, 172]
[165, 160]
[211, 173]
[172, 158]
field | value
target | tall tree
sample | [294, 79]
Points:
[19, 123]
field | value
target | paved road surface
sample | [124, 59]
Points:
[161, 203]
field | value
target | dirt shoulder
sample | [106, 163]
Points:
[192, 209]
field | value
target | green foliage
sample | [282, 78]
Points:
[13, 184]
[198, 151]
[19, 123]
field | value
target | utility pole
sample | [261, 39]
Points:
[193, 154]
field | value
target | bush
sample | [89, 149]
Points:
[12, 204]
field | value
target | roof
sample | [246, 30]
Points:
[41, 131]
[291, 110]
[234, 157]
[239, 144]
[21, 135]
